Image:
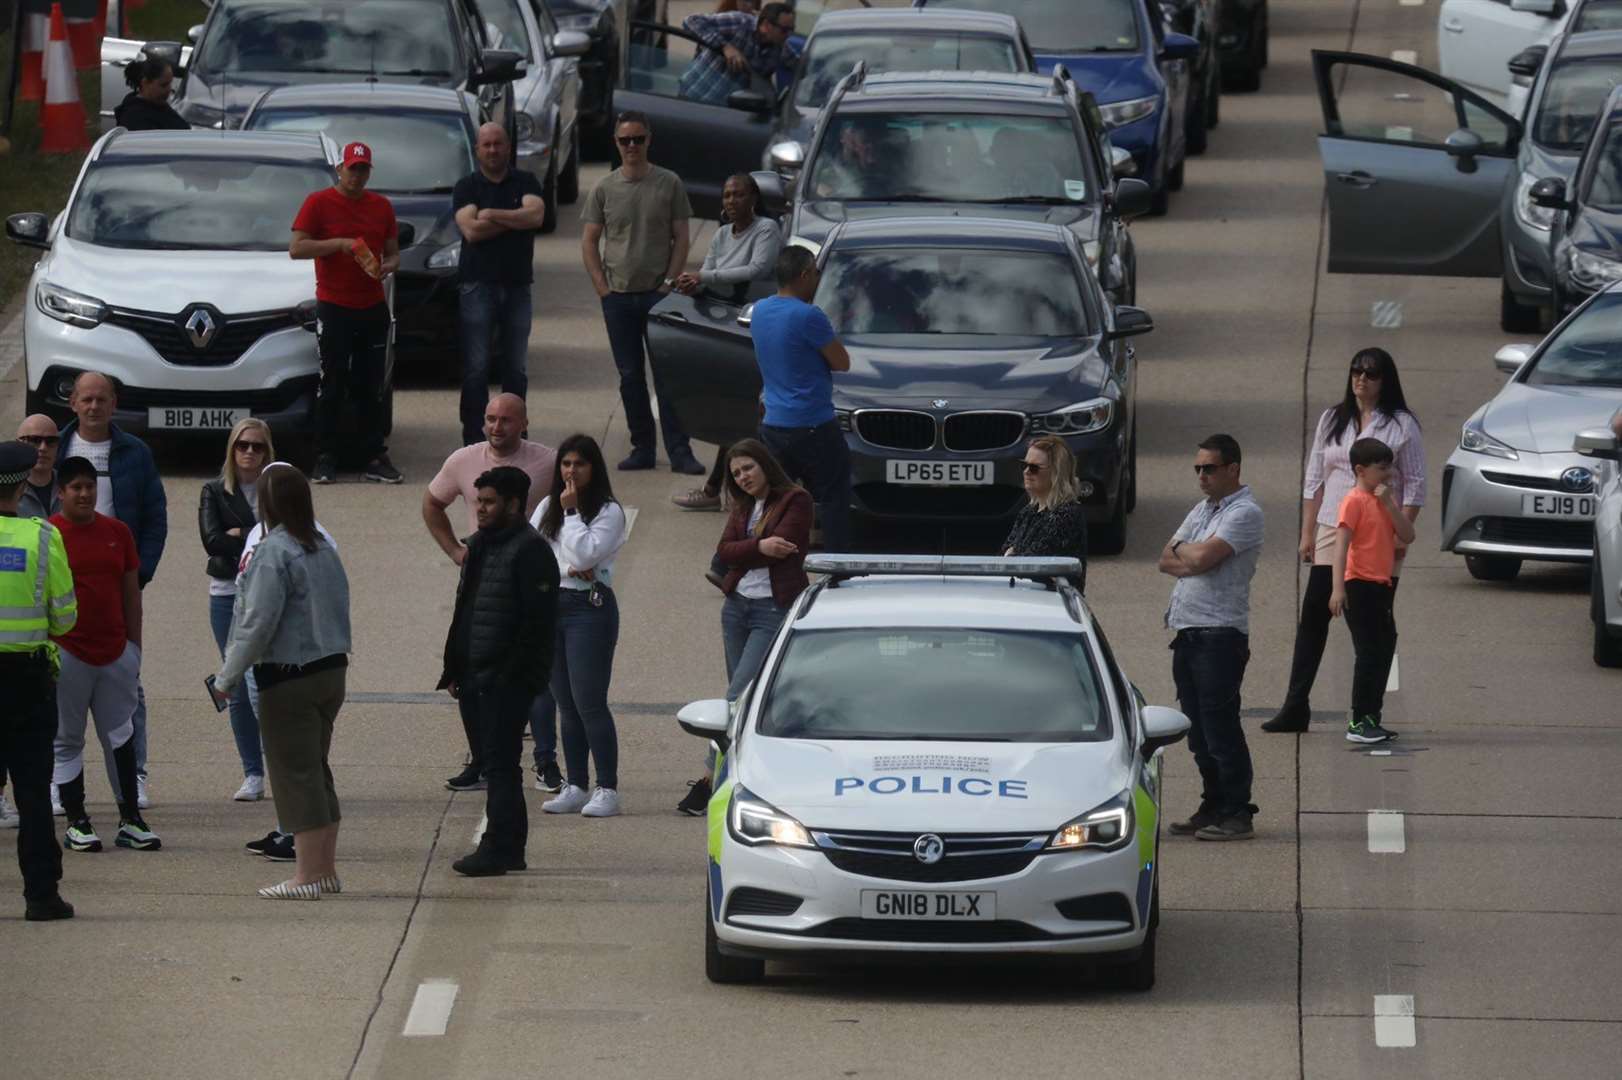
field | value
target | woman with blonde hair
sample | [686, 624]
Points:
[1054, 521]
[225, 516]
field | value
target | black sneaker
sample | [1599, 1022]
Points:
[689, 465]
[1200, 820]
[1367, 729]
[280, 849]
[1289, 718]
[548, 778]
[133, 833]
[469, 779]
[325, 471]
[639, 459]
[697, 800]
[46, 910]
[259, 847]
[382, 471]
[81, 836]
[482, 862]
[1231, 828]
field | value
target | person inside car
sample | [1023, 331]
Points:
[739, 46]
[146, 106]
[869, 160]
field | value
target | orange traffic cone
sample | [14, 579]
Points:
[35, 30]
[61, 118]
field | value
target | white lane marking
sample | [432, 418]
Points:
[430, 1009]
[1386, 836]
[1411, 3]
[1405, 56]
[630, 522]
[478, 831]
[1393, 681]
[1386, 314]
[1394, 1018]
[1379, 753]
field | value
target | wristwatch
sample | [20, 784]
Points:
[670, 283]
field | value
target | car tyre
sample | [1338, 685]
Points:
[1110, 537]
[1213, 98]
[1492, 567]
[1607, 645]
[1137, 976]
[549, 194]
[569, 182]
[1515, 317]
[1132, 470]
[727, 970]
[1197, 134]
[1174, 179]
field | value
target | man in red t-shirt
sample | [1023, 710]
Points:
[352, 236]
[101, 660]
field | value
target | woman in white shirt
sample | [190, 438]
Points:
[585, 525]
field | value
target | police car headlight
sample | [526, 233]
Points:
[1106, 827]
[65, 305]
[754, 821]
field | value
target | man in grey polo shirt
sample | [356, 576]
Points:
[1213, 556]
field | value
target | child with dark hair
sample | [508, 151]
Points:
[1370, 523]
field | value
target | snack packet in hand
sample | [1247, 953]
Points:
[363, 255]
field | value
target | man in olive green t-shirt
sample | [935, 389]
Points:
[634, 244]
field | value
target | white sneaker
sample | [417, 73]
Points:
[569, 801]
[605, 802]
[143, 795]
[252, 789]
[8, 816]
[56, 802]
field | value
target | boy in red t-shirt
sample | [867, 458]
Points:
[1369, 526]
[101, 660]
[352, 236]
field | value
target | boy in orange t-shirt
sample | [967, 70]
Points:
[1369, 525]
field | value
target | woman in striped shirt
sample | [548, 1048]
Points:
[1373, 407]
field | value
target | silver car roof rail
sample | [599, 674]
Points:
[1046, 571]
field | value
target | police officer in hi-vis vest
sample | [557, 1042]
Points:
[36, 603]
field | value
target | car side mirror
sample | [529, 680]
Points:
[1463, 145]
[1537, 7]
[1179, 47]
[749, 101]
[495, 66]
[786, 158]
[1132, 198]
[746, 315]
[709, 719]
[1525, 64]
[773, 191]
[1550, 192]
[1131, 321]
[167, 51]
[571, 43]
[29, 230]
[1121, 162]
[1510, 358]
[194, 33]
[1597, 443]
[1161, 727]
[407, 234]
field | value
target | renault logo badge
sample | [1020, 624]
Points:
[200, 328]
[1578, 480]
[928, 849]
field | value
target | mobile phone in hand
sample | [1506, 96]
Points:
[221, 700]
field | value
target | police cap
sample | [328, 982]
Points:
[17, 460]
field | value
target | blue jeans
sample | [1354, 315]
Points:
[1208, 666]
[626, 317]
[244, 721]
[487, 308]
[582, 667]
[747, 629]
[820, 459]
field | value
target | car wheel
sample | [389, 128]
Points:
[1213, 98]
[569, 182]
[1607, 645]
[1138, 975]
[1110, 537]
[1492, 567]
[1515, 317]
[549, 194]
[720, 968]
[1174, 179]
[1196, 136]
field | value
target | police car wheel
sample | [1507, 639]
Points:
[720, 968]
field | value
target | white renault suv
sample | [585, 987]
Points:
[940, 755]
[169, 272]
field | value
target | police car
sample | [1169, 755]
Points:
[940, 755]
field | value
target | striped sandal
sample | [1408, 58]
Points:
[289, 891]
[331, 884]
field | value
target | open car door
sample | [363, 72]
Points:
[1414, 166]
[704, 362]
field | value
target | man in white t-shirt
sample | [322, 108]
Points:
[505, 419]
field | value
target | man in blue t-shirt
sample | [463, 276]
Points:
[798, 352]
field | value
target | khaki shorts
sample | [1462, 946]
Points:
[1323, 551]
[295, 722]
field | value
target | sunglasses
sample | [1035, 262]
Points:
[631, 140]
[40, 440]
[1031, 466]
[1207, 470]
[249, 444]
[1371, 373]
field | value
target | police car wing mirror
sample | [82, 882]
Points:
[708, 719]
[1161, 727]
[1597, 443]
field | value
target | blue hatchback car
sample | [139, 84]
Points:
[1137, 70]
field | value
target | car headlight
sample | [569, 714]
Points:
[446, 257]
[1105, 827]
[1078, 419]
[1590, 271]
[1532, 215]
[65, 305]
[524, 127]
[1125, 112]
[753, 821]
[1475, 439]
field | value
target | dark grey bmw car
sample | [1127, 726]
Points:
[967, 337]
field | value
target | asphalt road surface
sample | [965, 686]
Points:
[1481, 939]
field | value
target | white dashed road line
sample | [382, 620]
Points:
[431, 1009]
[1386, 835]
[1386, 314]
[1394, 1019]
[1405, 56]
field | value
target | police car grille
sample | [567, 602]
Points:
[969, 856]
[752, 901]
[929, 932]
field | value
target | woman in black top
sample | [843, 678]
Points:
[1054, 522]
[146, 106]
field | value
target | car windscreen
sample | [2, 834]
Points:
[1605, 175]
[355, 37]
[1066, 26]
[509, 21]
[1597, 15]
[830, 57]
[936, 684]
[1572, 99]
[440, 143]
[222, 204]
[950, 157]
[943, 290]
[1588, 351]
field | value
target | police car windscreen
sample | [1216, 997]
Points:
[936, 684]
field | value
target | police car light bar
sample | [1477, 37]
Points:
[840, 567]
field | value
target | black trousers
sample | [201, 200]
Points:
[1208, 667]
[820, 459]
[502, 712]
[1374, 640]
[27, 733]
[353, 343]
[1312, 635]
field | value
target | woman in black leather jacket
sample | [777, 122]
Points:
[225, 516]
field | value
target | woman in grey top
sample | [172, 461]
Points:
[742, 250]
[291, 625]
